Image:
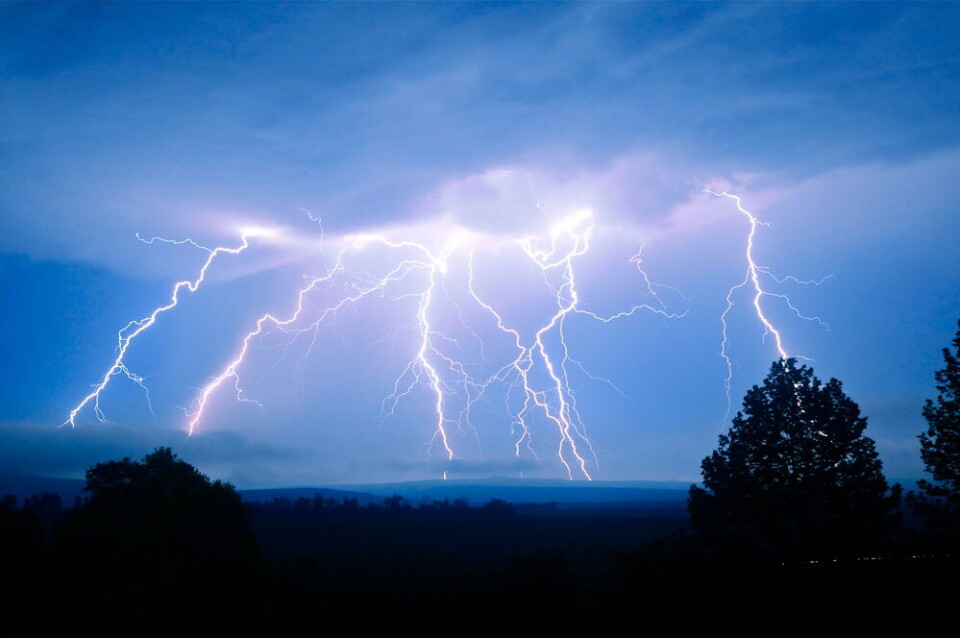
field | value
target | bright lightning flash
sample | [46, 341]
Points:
[537, 377]
[135, 328]
[753, 279]
[432, 365]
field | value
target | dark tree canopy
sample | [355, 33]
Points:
[160, 482]
[795, 474]
[940, 444]
[156, 534]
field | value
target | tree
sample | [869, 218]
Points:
[794, 475]
[940, 446]
[158, 535]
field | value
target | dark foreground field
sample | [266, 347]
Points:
[557, 569]
[409, 552]
[318, 564]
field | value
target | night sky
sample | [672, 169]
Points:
[462, 134]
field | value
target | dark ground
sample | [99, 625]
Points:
[447, 565]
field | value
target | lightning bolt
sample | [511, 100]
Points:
[753, 279]
[269, 322]
[562, 410]
[537, 372]
[133, 329]
[557, 402]
[442, 374]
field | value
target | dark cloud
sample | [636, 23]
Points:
[44, 450]
[361, 112]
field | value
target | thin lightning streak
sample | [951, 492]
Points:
[803, 282]
[561, 415]
[230, 370]
[593, 377]
[519, 364]
[567, 300]
[421, 365]
[562, 409]
[423, 361]
[650, 285]
[752, 278]
[316, 219]
[175, 242]
[133, 329]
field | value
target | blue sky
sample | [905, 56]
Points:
[836, 123]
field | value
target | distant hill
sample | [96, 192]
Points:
[640, 497]
[594, 495]
[600, 494]
[535, 491]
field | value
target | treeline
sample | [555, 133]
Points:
[320, 505]
[170, 547]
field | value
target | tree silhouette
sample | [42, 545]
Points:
[159, 535]
[940, 446]
[794, 476]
